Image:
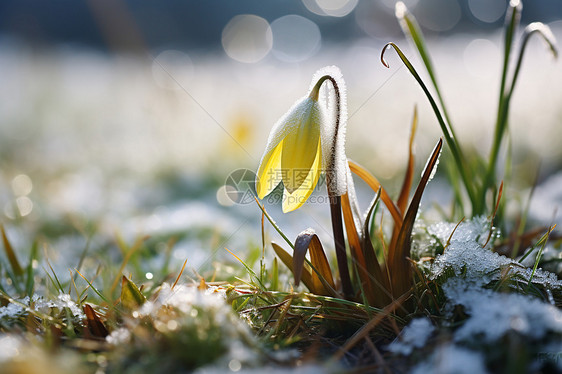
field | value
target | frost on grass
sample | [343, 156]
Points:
[452, 359]
[412, 336]
[472, 275]
[465, 257]
[22, 306]
[186, 328]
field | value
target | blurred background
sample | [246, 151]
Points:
[127, 116]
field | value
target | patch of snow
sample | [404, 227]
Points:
[493, 314]
[412, 336]
[184, 298]
[13, 310]
[452, 359]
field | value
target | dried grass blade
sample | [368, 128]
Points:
[380, 289]
[94, 323]
[355, 245]
[179, 275]
[400, 271]
[402, 201]
[364, 331]
[373, 182]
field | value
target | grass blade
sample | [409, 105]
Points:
[127, 252]
[411, 29]
[356, 247]
[545, 33]
[30, 282]
[447, 133]
[400, 268]
[380, 290]
[14, 263]
[543, 241]
[402, 201]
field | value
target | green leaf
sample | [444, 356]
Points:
[131, 297]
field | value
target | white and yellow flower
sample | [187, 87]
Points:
[300, 146]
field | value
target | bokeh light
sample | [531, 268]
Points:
[477, 56]
[376, 20]
[487, 11]
[333, 8]
[438, 15]
[22, 185]
[247, 38]
[295, 38]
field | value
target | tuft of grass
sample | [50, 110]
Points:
[476, 190]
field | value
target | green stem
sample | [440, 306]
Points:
[512, 21]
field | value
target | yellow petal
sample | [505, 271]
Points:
[300, 149]
[295, 200]
[269, 173]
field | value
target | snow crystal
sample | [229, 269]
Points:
[452, 359]
[412, 336]
[62, 301]
[13, 310]
[493, 314]
[184, 298]
[119, 336]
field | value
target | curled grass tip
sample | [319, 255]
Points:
[545, 32]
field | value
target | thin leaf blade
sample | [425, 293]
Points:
[401, 274]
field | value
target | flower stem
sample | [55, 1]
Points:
[335, 199]
[339, 242]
